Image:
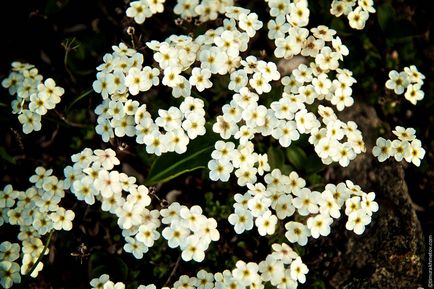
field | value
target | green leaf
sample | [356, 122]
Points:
[6, 156]
[296, 156]
[171, 165]
[314, 179]
[314, 164]
[385, 15]
[276, 157]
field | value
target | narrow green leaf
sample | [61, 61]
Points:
[6, 156]
[171, 165]
[276, 157]
[296, 157]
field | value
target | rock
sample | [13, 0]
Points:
[388, 254]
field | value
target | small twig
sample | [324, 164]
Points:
[69, 45]
[70, 123]
[173, 271]
[50, 141]
[18, 138]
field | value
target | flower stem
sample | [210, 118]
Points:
[47, 243]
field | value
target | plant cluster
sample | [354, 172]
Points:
[34, 96]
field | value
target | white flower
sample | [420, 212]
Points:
[147, 235]
[258, 205]
[9, 273]
[200, 78]
[205, 280]
[368, 204]
[104, 84]
[357, 221]
[249, 23]
[106, 158]
[416, 152]
[357, 18]
[414, 93]
[186, 8]
[172, 76]
[245, 273]
[98, 283]
[246, 175]
[297, 233]
[299, 15]
[400, 149]
[352, 204]
[319, 225]
[9, 251]
[62, 219]
[284, 207]
[328, 205]
[50, 92]
[192, 216]
[382, 149]
[298, 270]
[139, 10]
[136, 81]
[277, 27]
[259, 83]
[271, 268]
[223, 151]
[414, 75]
[208, 230]
[194, 125]
[239, 79]
[266, 223]
[30, 121]
[193, 249]
[177, 141]
[227, 42]
[134, 247]
[284, 253]
[107, 183]
[156, 6]
[112, 285]
[306, 202]
[397, 81]
[220, 170]
[242, 220]
[404, 134]
[155, 143]
[175, 234]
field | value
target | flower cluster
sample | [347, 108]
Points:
[289, 116]
[122, 75]
[37, 212]
[142, 9]
[188, 229]
[282, 268]
[357, 11]
[206, 10]
[406, 147]
[410, 80]
[34, 96]
[92, 177]
[284, 195]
